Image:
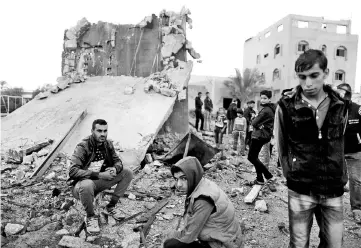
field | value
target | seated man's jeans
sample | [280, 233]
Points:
[329, 216]
[87, 189]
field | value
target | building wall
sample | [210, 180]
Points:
[289, 38]
[214, 85]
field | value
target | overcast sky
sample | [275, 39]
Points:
[32, 31]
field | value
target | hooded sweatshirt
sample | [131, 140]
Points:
[209, 214]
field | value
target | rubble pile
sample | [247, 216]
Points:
[164, 142]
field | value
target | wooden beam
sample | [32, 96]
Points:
[253, 193]
[39, 171]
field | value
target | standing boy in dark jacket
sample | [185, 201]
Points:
[309, 129]
[353, 150]
[199, 115]
[208, 108]
[95, 167]
[262, 133]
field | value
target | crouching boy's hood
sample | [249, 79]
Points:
[192, 169]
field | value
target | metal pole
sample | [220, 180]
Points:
[8, 105]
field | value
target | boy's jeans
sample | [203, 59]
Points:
[207, 120]
[329, 216]
[241, 136]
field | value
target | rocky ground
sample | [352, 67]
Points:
[45, 214]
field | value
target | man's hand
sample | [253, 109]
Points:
[107, 175]
[112, 170]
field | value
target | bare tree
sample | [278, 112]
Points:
[243, 87]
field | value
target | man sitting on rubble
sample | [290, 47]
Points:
[95, 167]
[209, 216]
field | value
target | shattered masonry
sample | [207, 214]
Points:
[137, 50]
[154, 45]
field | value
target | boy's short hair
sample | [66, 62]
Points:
[98, 121]
[199, 93]
[251, 102]
[239, 111]
[174, 169]
[207, 92]
[309, 58]
[267, 93]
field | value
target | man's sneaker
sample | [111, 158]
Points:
[256, 182]
[116, 214]
[92, 225]
[271, 184]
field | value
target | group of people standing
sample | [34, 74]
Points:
[317, 131]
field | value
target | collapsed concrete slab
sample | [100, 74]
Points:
[133, 120]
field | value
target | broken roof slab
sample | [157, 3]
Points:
[133, 120]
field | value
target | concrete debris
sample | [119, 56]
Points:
[147, 169]
[172, 44]
[12, 229]
[62, 232]
[145, 21]
[51, 175]
[129, 90]
[75, 242]
[238, 190]
[132, 196]
[27, 160]
[42, 95]
[261, 206]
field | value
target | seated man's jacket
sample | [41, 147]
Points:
[84, 154]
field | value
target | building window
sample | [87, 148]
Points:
[324, 49]
[302, 24]
[266, 55]
[267, 34]
[341, 29]
[302, 46]
[280, 28]
[258, 61]
[276, 74]
[277, 49]
[341, 51]
[340, 76]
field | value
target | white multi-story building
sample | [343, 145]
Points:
[274, 51]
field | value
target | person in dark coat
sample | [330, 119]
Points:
[231, 115]
[199, 114]
[353, 150]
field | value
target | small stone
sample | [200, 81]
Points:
[148, 158]
[132, 196]
[147, 169]
[11, 229]
[170, 206]
[51, 175]
[168, 216]
[91, 238]
[62, 232]
[238, 190]
[28, 159]
[149, 206]
[157, 163]
[43, 152]
[261, 206]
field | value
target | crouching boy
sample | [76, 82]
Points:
[209, 217]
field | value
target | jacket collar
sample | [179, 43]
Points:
[335, 99]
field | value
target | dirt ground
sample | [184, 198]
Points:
[37, 208]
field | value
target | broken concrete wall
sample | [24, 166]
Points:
[107, 49]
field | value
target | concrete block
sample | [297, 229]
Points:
[75, 242]
[11, 229]
[261, 206]
[28, 159]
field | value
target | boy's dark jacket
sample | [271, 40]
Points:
[83, 155]
[263, 123]
[313, 163]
